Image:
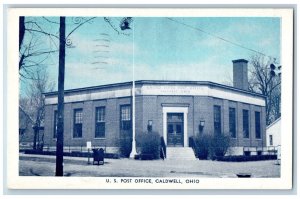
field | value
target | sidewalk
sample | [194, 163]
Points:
[42, 165]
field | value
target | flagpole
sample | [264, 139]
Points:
[133, 150]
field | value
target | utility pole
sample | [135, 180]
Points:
[21, 30]
[60, 107]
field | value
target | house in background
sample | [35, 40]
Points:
[26, 132]
[177, 110]
[274, 133]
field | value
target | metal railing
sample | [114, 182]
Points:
[268, 150]
[163, 148]
[192, 144]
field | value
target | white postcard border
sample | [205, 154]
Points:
[15, 181]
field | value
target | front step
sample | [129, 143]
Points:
[180, 153]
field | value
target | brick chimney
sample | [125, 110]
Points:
[240, 74]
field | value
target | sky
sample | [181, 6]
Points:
[159, 48]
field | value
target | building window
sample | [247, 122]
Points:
[217, 120]
[55, 124]
[271, 140]
[257, 125]
[232, 122]
[77, 133]
[100, 122]
[125, 117]
[245, 123]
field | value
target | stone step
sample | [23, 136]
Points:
[180, 153]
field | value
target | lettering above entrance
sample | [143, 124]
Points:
[203, 90]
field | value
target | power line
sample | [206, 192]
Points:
[218, 37]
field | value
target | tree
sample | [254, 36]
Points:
[33, 104]
[33, 48]
[39, 39]
[33, 53]
[29, 51]
[261, 81]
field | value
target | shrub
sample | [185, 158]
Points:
[149, 144]
[208, 146]
[220, 145]
[202, 146]
[125, 146]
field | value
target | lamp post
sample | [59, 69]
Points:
[201, 125]
[125, 25]
[149, 126]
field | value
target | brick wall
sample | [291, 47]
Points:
[150, 108]
[112, 123]
[203, 110]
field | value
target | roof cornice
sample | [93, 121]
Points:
[170, 82]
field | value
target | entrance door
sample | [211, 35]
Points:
[175, 129]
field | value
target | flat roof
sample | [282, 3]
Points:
[167, 82]
[274, 122]
[239, 60]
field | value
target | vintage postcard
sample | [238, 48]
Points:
[112, 98]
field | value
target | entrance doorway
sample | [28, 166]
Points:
[175, 129]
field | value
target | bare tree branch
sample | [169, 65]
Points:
[40, 53]
[32, 101]
[43, 32]
[264, 83]
[54, 22]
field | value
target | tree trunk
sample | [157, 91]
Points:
[60, 106]
[21, 30]
[34, 136]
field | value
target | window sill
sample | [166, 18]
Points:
[100, 138]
